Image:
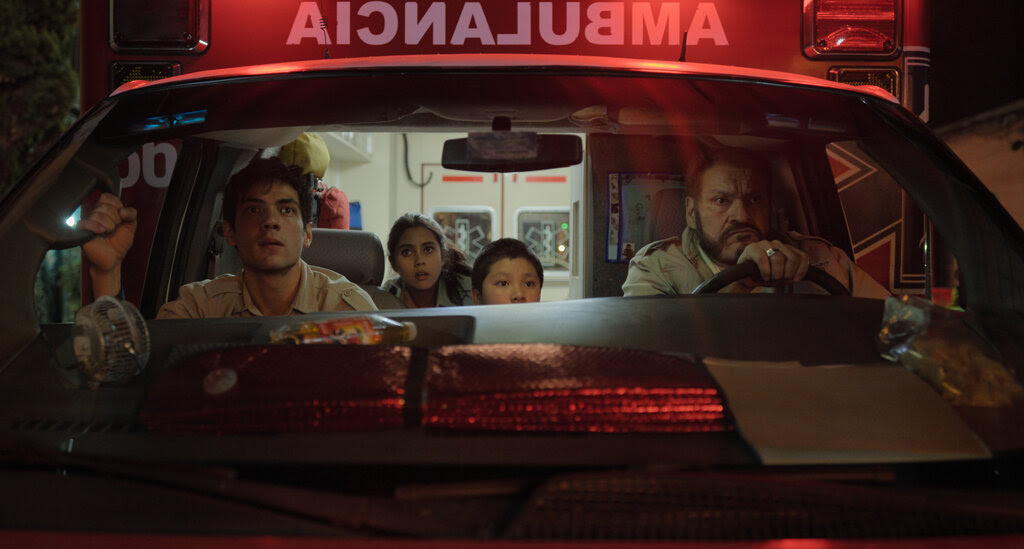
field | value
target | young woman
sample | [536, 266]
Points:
[431, 272]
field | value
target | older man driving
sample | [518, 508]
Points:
[728, 223]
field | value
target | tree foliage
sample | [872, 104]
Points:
[38, 80]
[38, 101]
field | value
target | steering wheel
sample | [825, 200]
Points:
[749, 269]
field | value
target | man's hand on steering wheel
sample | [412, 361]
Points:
[778, 263]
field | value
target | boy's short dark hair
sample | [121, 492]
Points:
[503, 248]
[266, 171]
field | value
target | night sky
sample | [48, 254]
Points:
[977, 57]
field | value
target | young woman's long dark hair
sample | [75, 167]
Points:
[454, 261]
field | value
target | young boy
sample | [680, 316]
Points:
[506, 271]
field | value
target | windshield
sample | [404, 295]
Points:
[830, 169]
[567, 270]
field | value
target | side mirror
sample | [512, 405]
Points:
[508, 151]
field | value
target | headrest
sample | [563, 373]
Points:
[359, 255]
[668, 213]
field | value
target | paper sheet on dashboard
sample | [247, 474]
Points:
[795, 414]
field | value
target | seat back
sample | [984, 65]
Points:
[668, 213]
[358, 255]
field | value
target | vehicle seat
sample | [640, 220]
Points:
[668, 213]
[358, 255]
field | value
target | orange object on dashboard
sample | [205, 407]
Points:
[358, 330]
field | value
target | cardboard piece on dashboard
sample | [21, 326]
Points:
[793, 414]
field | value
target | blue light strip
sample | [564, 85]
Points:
[165, 122]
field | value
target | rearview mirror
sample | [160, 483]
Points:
[507, 151]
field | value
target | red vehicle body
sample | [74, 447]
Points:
[123, 41]
[738, 419]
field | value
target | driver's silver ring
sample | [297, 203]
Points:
[770, 252]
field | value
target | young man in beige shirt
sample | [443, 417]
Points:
[266, 217]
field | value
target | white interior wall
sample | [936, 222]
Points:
[378, 180]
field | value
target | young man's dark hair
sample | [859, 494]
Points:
[503, 248]
[266, 171]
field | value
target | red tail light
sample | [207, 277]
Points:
[834, 28]
[168, 26]
[554, 388]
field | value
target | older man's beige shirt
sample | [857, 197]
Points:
[677, 266]
[226, 296]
